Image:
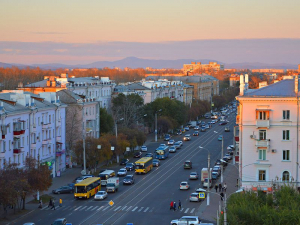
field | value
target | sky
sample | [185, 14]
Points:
[35, 31]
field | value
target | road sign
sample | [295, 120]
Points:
[201, 195]
[111, 203]
[127, 149]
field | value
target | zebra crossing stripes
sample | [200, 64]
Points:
[135, 209]
[186, 210]
[192, 210]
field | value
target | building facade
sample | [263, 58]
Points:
[198, 67]
[268, 120]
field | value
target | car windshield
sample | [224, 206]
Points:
[58, 222]
[194, 195]
[122, 170]
[193, 173]
[129, 164]
[100, 193]
[183, 183]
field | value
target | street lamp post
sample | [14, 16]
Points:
[208, 167]
[116, 128]
[156, 124]
[222, 155]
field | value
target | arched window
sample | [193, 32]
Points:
[285, 176]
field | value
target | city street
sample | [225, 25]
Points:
[147, 200]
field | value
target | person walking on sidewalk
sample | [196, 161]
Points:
[53, 205]
[222, 196]
[40, 204]
[216, 187]
[179, 205]
[220, 187]
[50, 203]
[225, 187]
[60, 202]
[174, 206]
[171, 205]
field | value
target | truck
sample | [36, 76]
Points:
[204, 174]
[193, 123]
[113, 184]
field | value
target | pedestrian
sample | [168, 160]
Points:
[171, 205]
[40, 204]
[222, 196]
[179, 204]
[220, 187]
[50, 203]
[60, 202]
[174, 206]
[225, 187]
[216, 187]
[53, 205]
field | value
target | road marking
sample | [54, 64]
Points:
[124, 208]
[141, 209]
[100, 208]
[128, 208]
[181, 209]
[106, 208]
[186, 210]
[94, 208]
[67, 207]
[151, 210]
[77, 208]
[89, 208]
[82, 208]
[134, 209]
[117, 208]
[146, 209]
[192, 210]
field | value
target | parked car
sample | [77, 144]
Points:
[194, 176]
[187, 165]
[205, 183]
[129, 179]
[231, 146]
[187, 137]
[124, 161]
[130, 166]
[100, 195]
[144, 148]
[149, 155]
[186, 220]
[196, 133]
[194, 197]
[184, 185]
[155, 162]
[122, 172]
[172, 149]
[227, 129]
[214, 175]
[137, 155]
[61, 221]
[171, 142]
[63, 190]
[228, 156]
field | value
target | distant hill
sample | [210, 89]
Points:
[133, 62]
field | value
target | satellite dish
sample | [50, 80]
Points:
[83, 172]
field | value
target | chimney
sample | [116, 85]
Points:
[296, 84]
[242, 85]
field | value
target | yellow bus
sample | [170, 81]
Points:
[143, 165]
[87, 188]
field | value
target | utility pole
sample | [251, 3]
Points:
[84, 161]
[208, 188]
[155, 126]
[222, 159]
[225, 210]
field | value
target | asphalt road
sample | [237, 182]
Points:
[147, 200]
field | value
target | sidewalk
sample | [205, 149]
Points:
[230, 177]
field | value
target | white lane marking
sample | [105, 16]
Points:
[124, 208]
[117, 208]
[192, 210]
[181, 209]
[141, 209]
[100, 208]
[66, 208]
[134, 209]
[146, 209]
[94, 208]
[106, 208]
[77, 208]
[82, 208]
[186, 210]
[128, 208]
[151, 210]
[89, 208]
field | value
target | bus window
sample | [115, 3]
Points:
[80, 189]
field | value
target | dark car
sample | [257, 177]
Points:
[63, 190]
[187, 165]
[149, 155]
[155, 162]
[130, 166]
[137, 155]
[227, 129]
[167, 137]
[124, 161]
[61, 221]
[196, 133]
[222, 123]
[129, 179]
[72, 185]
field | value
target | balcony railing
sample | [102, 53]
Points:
[263, 143]
[17, 151]
[262, 123]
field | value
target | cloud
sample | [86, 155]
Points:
[40, 32]
[8, 50]
[60, 50]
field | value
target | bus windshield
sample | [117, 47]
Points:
[80, 189]
[103, 176]
[139, 166]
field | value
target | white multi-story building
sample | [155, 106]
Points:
[269, 120]
[32, 125]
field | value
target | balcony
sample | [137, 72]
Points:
[33, 128]
[33, 145]
[88, 129]
[45, 126]
[45, 142]
[262, 123]
[263, 144]
[2, 155]
[58, 122]
[17, 151]
[58, 139]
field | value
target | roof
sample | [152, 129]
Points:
[284, 88]
[143, 160]
[87, 181]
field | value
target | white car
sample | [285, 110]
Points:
[171, 142]
[231, 146]
[172, 149]
[122, 172]
[184, 185]
[186, 220]
[144, 148]
[100, 195]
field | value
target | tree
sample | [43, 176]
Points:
[106, 121]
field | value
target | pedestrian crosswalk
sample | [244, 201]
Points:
[136, 209]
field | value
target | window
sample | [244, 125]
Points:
[286, 135]
[262, 175]
[262, 153]
[262, 115]
[49, 118]
[262, 134]
[286, 114]
[286, 155]
[285, 176]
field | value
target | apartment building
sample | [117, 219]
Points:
[198, 67]
[268, 120]
[96, 88]
[32, 125]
